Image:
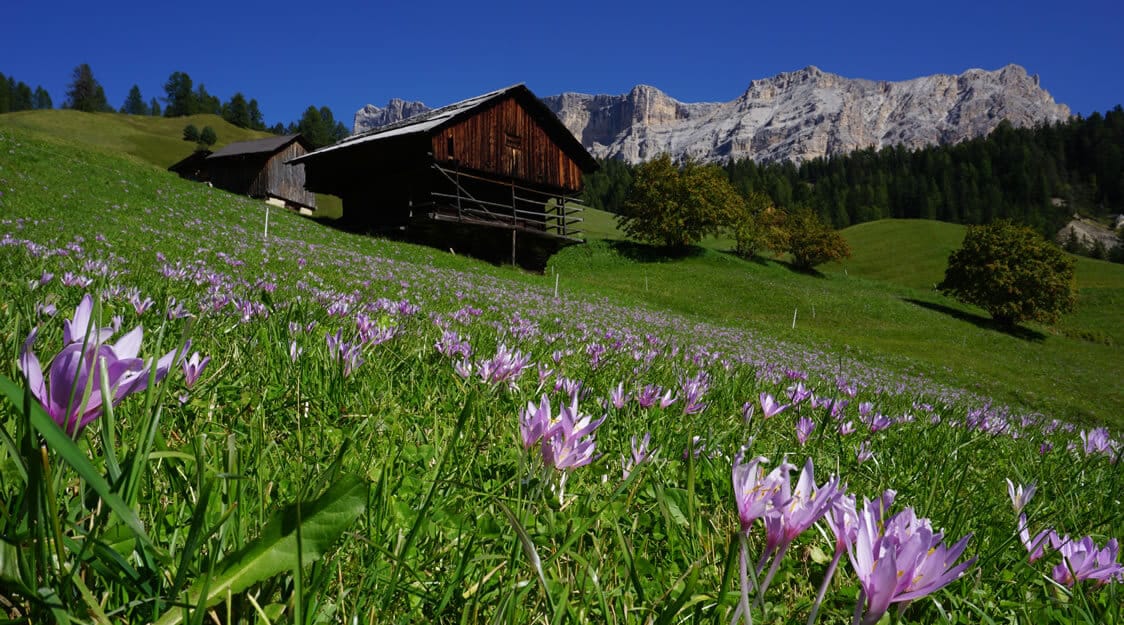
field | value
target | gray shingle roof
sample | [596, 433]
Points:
[257, 146]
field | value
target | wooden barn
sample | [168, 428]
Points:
[259, 169]
[500, 162]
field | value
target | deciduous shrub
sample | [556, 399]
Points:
[1012, 273]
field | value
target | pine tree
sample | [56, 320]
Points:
[237, 111]
[154, 108]
[21, 97]
[85, 93]
[179, 97]
[134, 103]
[42, 99]
[207, 103]
[257, 120]
[5, 95]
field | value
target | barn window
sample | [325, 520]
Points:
[449, 146]
[513, 140]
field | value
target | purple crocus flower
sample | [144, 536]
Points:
[879, 422]
[1035, 546]
[900, 560]
[648, 396]
[534, 421]
[797, 393]
[1095, 441]
[747, 411]
[617, 396]
[693, 389]
[1082, 560]
[640, 454]
[1020, 495]
[864, 452]
[569, 441]
[71, 393]
[505, 367]
[193, 367]
[755, 493]
[769, 406]
[804, 427]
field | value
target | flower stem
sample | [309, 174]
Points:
[859, 607]
[743, 570]
[823, 586]
[769, 577]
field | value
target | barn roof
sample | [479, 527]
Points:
[436, 119]
[257, 146]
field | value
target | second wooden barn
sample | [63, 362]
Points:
[499, 160]
[258, 169]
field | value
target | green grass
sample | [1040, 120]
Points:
[906, 252]
[885, 312]
[155, 140]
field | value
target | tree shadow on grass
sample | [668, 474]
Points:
[765, 261]
[987, 323]
[642, 253]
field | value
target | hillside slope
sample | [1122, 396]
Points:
[1068, 372]
[155, 140]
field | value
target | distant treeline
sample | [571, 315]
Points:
[19, 96]
[181, 97]
[1036, 176]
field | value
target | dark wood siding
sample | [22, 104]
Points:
[261, 175]
[284, 181]
[505, 139]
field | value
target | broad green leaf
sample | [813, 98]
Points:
[9, 562]
[275, 551]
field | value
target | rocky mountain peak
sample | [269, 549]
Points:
[370, 117]
[799, 115]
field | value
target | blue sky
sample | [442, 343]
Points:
[290, 55]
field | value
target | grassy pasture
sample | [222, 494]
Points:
[419, 502]
[886, 311]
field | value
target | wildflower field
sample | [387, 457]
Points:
[211, 419]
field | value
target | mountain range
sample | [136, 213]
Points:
[795, 116]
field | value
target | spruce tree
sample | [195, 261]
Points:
[237, 111]
[257, 120]
[5, 95]
[22, 98]
[85, 93]
[154, 108]
[179, 97]
[42, 99]
[134, 103]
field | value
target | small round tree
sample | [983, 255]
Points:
[676, 207]
[1012, 273]
[191, 133]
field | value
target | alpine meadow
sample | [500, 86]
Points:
[218, 411]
